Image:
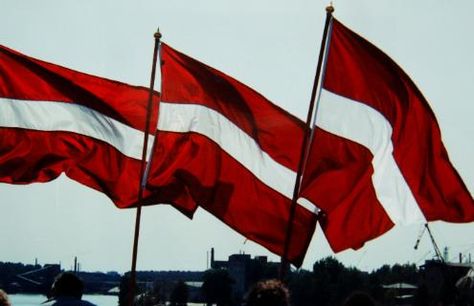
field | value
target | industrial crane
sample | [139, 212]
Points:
[426, 228]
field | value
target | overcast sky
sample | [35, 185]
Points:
[270, 45]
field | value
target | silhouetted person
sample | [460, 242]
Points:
[4, 298]
[359, 298]
[268, 293]
[67, 291]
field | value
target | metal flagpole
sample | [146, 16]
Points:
[142, 182]
[284, 265]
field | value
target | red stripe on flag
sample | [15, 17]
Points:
[340, 185]
[28, 156]
[194, 167]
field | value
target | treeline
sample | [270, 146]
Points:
[328, 283]
[147, 276]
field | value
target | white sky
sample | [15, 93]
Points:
[272, 46]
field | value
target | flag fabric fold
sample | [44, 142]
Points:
[56, 120]
[376, 158]
[224, 147]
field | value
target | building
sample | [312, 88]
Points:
[440, 280]
[245, 270]
[38, 280]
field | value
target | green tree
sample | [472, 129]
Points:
[407, 273]
[302, 287]
[217, 287]
[327, 272]
[333, 282]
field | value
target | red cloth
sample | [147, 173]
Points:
[340, 178]
[37, 143]
[230, 156]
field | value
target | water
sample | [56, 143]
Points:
[37, 299]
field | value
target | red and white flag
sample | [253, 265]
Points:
[55, 120]
[376, 157]
[224, 147]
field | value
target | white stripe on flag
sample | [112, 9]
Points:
[308, 205]
[183, 118]
[75, 118]
[364, 125]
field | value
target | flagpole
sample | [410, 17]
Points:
[284, 265]
[142, 181]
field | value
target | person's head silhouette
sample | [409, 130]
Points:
[268, 293]
[4, 298]
[67, 284]
[67, 290]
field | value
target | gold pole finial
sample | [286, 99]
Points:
[157, 34]
[330, 8]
